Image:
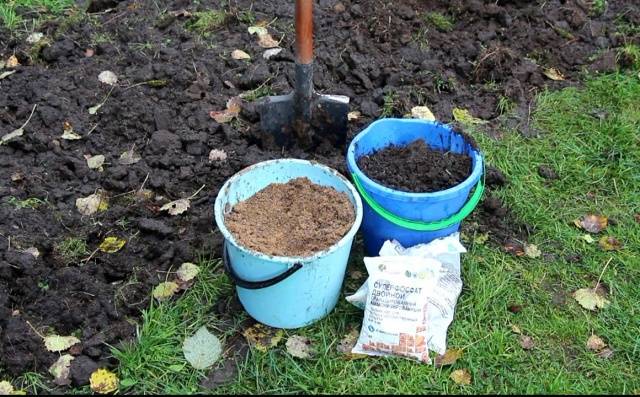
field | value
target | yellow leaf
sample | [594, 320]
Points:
[461, 377]
[448, 358]
[423, 113]
[176, 207]
[589, 299]
[6, 388]
[609, 243]
[91, 204]
[112, 245]
[165, 290]
[464, 117]
[592, 223]
[352, 116]
[12, 62]
[57, 343]
[262, 337]
[553, 74]
[103, 381]
[595, 343]
[532, 251]
[187, 271]
[240, 55]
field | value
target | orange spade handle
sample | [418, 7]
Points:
[304, 31]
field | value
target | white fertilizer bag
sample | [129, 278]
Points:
[409, 298]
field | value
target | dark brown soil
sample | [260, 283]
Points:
[170, 78]
[297, 218]
[416, 167]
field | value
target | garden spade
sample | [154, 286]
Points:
[304, 116]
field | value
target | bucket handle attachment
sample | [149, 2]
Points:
[419, 225]
[253, 285]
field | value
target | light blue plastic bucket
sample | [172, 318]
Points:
[412, 218]
[285, 292]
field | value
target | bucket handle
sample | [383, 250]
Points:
[254, 284]
[418, 225]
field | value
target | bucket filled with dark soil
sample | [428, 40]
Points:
[288, 227]
[416, 179]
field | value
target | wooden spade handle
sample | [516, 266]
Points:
[304, 31]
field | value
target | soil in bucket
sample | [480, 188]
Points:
[416, 168]
[297, 218]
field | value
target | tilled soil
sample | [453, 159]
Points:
[297, 218]
[416, 167]
[381, 53]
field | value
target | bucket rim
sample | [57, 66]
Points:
[228, 236]
[382, 190]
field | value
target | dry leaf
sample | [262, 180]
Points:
[423, 113]
[103, 381]
[108, 77]
[57, 343]
[266, 41]
[165, 290]
[129, 157]
[95, 162]
[448, 358]
[262, 337]
[348, 342]
[180, 13]
[463, 116]
[12, 62]
[68, 133]
[203, 349]
[352, 116]
[259, 30]
[590, 299]
[300, 347]
[270, 53]
[187, 272]
[6, 74]
[90, 205]
[176, 207]
[111, 245]
[516, 330]
[240, 55]
[595, 343]
[592, 223]
[18, 132]
[553, 74]
[606, 353]
[32, 251]
[526, 342]
[231, 112]
[60, 370]
[217, 155]
[609, 243]
[461, 377]
[514, 248]
[532, 251]
[6, 388]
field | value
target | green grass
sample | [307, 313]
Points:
[390, 104]
[11, 19]
[72, 249]
[31, 202]
[205, 22]
[440, 21]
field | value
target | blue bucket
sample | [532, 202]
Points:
[412, 218]
[285, 292]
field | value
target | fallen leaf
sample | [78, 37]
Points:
[264, 38]
[231, 112]
[60, 370]
[423, 113]
[34, 37]
[464, 117]
[532, 251]
[595, 343]
[17, 177]
[300, 347]
[202, 350]
[176, 207]
[68, 133]
[587, 238]
[606, 353]
[461, 377]
[590, 299]
[165, 290]
[6, 74]
[129, 157]
[259, 30]
[592, 223]
[180, 13]
[240, 55]
[609, 243]
[57, 343]
[448, 358]
[514, 248]
[526, 342]
[91, 204]
[217, 155]
[262, 337]
[348, 342]
[516, 330]
[553, 74]
[355, 115]
[108, 77]
[6, 388]
[188, 271]
[111, 245]
[95, 162]
[270, 53]
[12, 62]
[32, 251]
[103, 381]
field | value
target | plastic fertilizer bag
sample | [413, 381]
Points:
[409, 298]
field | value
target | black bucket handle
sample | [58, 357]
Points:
[253, 285]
